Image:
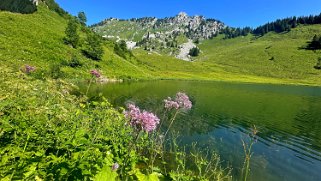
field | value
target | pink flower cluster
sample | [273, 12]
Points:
[141, 119]
[29, 69]
[115, 166]
[169, 104]
[95, 73]
[180, 102]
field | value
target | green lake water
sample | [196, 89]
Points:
[288, 119]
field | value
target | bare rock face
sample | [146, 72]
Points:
[172, 35]
[130, 44]
[184, 50]
[35, 2]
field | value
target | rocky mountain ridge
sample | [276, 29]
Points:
[167, 35]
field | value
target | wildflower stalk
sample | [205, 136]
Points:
[133, 145]
[95, 74]
[162, 140]
[170, 125]
[146, 121]
[248, 152]
[89, 85]
[161, 123]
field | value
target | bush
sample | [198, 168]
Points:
[18, 6]
[318, 65]
[315, 43]
[74, 62]
[194, 52]
[82, 18]
[72, 37]
[39, 74]
[93, 47]
[50, 135]
[121, 50]
[55, 71]
[52, 5]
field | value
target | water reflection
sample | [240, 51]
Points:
[288, 117]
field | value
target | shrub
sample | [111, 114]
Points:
[49, 134]
[121, 50]
[39, 74]
[72, 37]
[194, 52]
[74, 62]
[93, 47]
[318, 65]
[55, 71]
[315, 43]
[82, 18]
[52, 5]
[18, 6]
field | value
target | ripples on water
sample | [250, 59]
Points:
[288, 118]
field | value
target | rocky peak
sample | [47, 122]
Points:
[182, 16]
[173, 35]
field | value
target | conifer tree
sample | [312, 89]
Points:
[18, 6]
[72, 37]
[94, 48]
[82, 18]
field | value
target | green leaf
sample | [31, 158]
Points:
[106, 174]
[31, 170]
[152, 177]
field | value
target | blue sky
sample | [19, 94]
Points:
[236, 13]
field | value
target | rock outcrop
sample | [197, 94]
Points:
[166, 35]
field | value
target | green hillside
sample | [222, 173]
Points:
[273, 58]
[50, 130]
[274, 55]
[37, 39]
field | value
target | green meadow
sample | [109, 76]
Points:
[52, 130]
[37, 39]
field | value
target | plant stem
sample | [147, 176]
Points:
[129, 150]
[170, 125]
[89, 85]
[24, 149]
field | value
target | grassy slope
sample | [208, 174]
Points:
[37, 39]
[254, 56]
[47, 133]
[247, 59]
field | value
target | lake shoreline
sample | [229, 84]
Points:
[285, 83]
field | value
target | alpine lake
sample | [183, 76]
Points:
[287, 117]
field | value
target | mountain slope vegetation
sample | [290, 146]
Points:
[37, 39]
[272, 58]
[50, 130]
[275, 57]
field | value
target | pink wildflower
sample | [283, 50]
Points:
[181, 102]
[141, 119]
[133, 113]
[149, 121]
[115, 166]
[95, 73]
[169, 104]
[29, 69]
